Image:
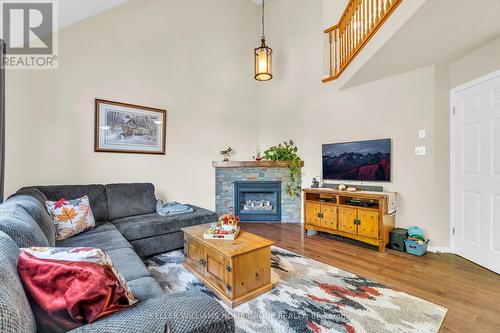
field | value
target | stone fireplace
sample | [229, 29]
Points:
[255, 191]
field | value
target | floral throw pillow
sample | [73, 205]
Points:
[71, 217]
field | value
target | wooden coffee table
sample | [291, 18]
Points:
[236, 271]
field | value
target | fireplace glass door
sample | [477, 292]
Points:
[258, 201]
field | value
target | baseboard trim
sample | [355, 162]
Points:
[438, 249]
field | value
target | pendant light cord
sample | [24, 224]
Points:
[263, 35]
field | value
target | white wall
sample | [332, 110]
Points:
[482, 61]
[332, 11]
[189, 57]
[297, 105]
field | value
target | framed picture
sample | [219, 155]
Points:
[127, 128]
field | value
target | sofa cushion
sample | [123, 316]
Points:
[149, 225]
[34, 192]
[96, 194]
[21, 227]
[38, 212]
[15, 312]
[130, 199]
[104, 237]
[158, 244]
[145, 288]
[191, 312]
[128, 263]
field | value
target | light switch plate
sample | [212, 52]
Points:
[420, 151]
[422, 134]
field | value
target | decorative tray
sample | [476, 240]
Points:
[231, 236]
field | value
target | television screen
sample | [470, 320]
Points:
[362, 161]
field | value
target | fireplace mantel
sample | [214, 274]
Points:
[251, 164]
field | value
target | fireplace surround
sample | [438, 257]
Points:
[249, 175]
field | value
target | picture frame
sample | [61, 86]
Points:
[128, 128]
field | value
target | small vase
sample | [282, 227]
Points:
[226, 159]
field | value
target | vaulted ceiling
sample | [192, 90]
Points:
[72, 11]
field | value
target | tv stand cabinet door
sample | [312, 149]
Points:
[347, 216]
[329, 217]
[313, 211]
[369, 223]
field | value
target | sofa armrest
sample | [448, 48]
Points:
[186, 312]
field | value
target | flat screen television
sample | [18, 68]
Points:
[358, 161]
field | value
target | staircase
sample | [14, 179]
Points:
[357, 25]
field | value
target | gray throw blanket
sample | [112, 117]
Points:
[172, 208]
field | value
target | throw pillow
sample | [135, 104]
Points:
[71, 217]
[70, 287]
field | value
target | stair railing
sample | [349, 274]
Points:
[357, 25]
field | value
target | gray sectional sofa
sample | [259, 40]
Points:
[127, 228]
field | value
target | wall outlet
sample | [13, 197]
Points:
[420, 151]
[422, 134]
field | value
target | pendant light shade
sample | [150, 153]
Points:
[263, 57]
[263, 62]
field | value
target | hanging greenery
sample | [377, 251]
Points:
[287, 151]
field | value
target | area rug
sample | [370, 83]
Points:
[310, 296]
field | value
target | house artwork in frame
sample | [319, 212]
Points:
[127, 128]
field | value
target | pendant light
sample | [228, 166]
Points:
[263, 57]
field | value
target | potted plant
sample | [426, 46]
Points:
[287, 151]
[226, 153]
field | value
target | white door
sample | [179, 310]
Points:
[475, 179]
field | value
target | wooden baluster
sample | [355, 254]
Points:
[331, 55]
[354, 36]
[358, 23]
[367, 16]
[346, 40]
[355, 20]
[341, 36]
[336, 52]
[382, 9]
[363, 19]
[355, 25]
[377, 10]
[340, 42]
[387, 6]
[346, 30]
[347, 37]
[372, 14]
[351, 28]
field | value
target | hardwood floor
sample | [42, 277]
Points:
[469, 292]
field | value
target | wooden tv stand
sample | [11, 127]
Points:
[333, 211]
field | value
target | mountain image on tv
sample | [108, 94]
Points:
[363, 161]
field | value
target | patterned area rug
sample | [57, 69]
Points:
[310, 296]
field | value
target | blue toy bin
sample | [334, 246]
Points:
[414, 248]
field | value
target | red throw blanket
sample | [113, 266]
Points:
[68, 294]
